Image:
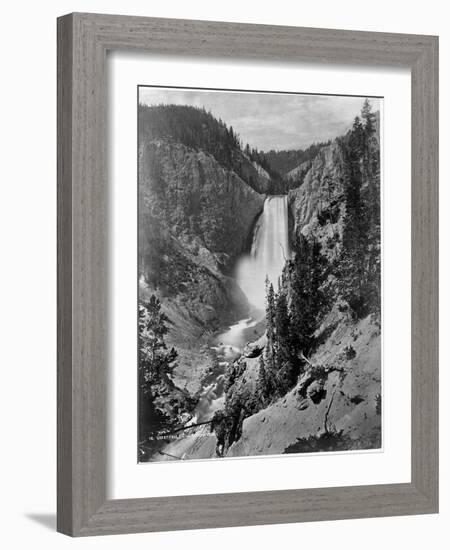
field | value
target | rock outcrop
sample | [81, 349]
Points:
[207, 207]
[254, 349]
[316, 206]
[298, 173]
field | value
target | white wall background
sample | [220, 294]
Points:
[28, 272]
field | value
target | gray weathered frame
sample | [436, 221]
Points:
[83, 40]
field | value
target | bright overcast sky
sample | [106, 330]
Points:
[267, 120]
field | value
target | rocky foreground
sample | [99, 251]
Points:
[336, 404]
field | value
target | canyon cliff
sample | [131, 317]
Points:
[195, 217]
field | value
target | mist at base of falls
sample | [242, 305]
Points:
[269, 252]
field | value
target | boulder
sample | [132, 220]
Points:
[254, 349]
[316, 391]
[304, 383]
[304, 404]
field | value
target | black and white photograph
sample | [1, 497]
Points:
[223, 236]
[259, 273]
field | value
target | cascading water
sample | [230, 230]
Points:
[269, 252]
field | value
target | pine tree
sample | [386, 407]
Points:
[287, 363]
[262, 383]
[304, 296]
[368, 117]
[359, 264]
[154, 359]
[156, 362]
[352, 262]
[373, 239]
[282, 323]
[270, 313]
[270, 351]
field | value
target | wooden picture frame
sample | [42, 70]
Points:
[83, 41]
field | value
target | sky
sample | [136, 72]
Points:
[270, 120]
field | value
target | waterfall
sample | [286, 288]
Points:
[269, 252]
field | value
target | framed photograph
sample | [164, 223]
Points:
[247, 274]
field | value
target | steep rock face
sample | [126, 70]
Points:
[200, 202]
[194, 220]
[316, 206]
[298, 173]
[251, 172]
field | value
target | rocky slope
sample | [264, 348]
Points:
[335, 405]
[297, 174]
